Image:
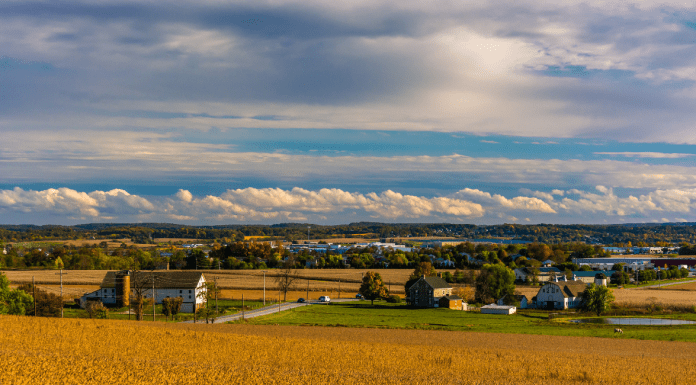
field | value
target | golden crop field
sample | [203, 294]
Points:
[65, 351]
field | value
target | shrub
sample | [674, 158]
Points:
[96, 309]
[394, 299]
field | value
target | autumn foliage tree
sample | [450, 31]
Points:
[422, 269]
[372, 287]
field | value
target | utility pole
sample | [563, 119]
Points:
[339, 289]
[308, 227]
[216, 291]
[278, 302]
[61, 292]
[154, 300]
[242, 306]
[264, 288]
[307, 289]
[33, 286]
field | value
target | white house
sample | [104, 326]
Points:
[560, 295]
[188, 285]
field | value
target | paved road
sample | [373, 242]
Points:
[272, 309]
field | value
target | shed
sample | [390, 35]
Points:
[451, 302]
[498, 309]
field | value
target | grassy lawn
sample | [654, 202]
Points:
[383, 315]
[225, 306]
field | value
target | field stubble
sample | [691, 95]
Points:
[48, 351]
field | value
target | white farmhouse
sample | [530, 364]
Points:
[560, 295]
[188, 285]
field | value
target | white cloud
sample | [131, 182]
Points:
[647, 154]
[274, 205]
[516, 203]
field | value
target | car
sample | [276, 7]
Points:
[300, 300]
[324, 298]
[359, 296]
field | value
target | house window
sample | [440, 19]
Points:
[181, 291]
[189, 292]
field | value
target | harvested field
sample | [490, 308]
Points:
[272, 295]
[691, 286]
[639, 296]
[65, 351]
[233, 282]
[51, 277]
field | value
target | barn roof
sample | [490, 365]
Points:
[570, 288]
[163, 279]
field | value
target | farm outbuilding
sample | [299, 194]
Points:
[451, 302]
[498, 309]
[167, 284]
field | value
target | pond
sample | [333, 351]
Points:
[634, 321]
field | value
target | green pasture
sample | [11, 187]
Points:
[397, 316]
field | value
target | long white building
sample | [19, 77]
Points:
[189, 285]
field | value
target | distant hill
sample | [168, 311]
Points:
[636, 233]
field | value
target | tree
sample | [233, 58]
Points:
[422, 269]
[286, 277]
[171, 306]
[372, 287]
[47, 304]
[15, 302]
[597, 298]
[494, 282]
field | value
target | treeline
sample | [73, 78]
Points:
[260, 255]
[635, 234]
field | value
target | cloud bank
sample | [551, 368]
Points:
[335, 206]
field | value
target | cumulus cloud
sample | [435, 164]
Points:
[336, 206]
[516, 203]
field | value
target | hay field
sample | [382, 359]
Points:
[55, 351]
[233, 282]
[51, 277]
[639, 296]
[691, 286]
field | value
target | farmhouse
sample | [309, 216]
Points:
[560, 295]
[427, 291]
[167, 284]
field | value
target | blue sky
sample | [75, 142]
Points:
[301, 111]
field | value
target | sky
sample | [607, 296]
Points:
[217, 112]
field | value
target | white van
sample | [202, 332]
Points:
[324, 298]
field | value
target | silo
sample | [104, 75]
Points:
[600, 279]
[123, 288]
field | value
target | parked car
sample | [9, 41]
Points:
[300, 300]
[324, 298]
[359, 296]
